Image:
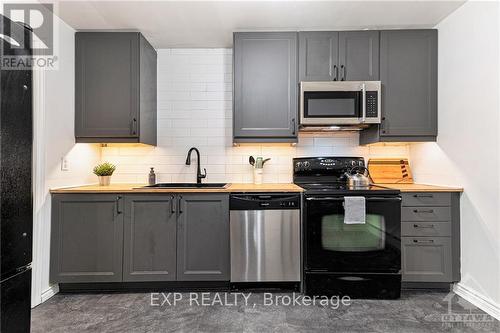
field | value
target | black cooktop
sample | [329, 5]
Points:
[326, 175]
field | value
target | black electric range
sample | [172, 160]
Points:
[357, 260]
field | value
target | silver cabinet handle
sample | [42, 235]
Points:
[293, 126]
[134, 126]
[363, 96]
[430, 211]
[342, 74]
[336, 69]
[427, 241]
[430, 226]
[119, 210]
[179, 207]
[423, 196]
[172, 209]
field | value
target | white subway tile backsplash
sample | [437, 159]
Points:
[195, 110]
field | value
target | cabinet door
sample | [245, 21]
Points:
[426, 259]
[359, 55]
[107, 84]
[203, 237]
[318, 56]
[408, 71]
[265, 87]
[149, 238]
[86, 238]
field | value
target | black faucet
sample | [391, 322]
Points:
[199, 175]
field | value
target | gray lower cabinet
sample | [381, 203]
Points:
[115, 88]
[408, 72]
[150, 238]
[426, 259]
[86, 238]
[265, 87]
[203, 238]
[139, 237]
[430, 237]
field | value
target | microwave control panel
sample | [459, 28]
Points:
[371, 104]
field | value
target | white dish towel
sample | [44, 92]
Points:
[355, 210]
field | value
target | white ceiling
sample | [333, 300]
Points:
[211, 23]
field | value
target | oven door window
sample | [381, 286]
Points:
[334, 246]
[341, 237]
[332, 104]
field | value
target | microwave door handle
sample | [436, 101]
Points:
[363, 97]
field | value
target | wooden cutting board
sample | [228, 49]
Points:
[390, 170]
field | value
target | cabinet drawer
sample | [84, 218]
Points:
[426, 199]
[426, 229]
[426, 259]
[425, 214]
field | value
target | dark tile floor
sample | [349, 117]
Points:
[416, 311]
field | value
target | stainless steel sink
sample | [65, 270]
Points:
[188, 185]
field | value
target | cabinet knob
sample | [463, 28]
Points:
[25, 87]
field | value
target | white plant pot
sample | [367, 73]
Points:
[257, 175]
[104, 180]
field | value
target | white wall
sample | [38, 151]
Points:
[195, 109]
[54, 138]
[468, 146]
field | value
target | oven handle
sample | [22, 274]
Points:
[342, 199]
[363, 90]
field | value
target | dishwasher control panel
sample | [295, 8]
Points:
[259, 201]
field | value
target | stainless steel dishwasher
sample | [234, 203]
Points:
[265, 237]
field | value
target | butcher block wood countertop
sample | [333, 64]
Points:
[237, 187]
[139, 188]
[422, 188]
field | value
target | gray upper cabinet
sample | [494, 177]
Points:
[359, 55]
[203, 237]
[150, 238]
[408, 71]
[318, 56]
[265, 87]
[86, 238]
[115, 88]
[339, 56]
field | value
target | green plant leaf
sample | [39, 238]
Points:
[104, 169]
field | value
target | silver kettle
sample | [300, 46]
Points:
[358, 177]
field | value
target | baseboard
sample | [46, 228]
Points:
[473, 297]
[48, 293]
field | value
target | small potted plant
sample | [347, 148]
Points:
[103, 172]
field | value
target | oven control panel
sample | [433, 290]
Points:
[326, 163]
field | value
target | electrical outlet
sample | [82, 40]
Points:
[64, 164]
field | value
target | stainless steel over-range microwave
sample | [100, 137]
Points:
[339, 103]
